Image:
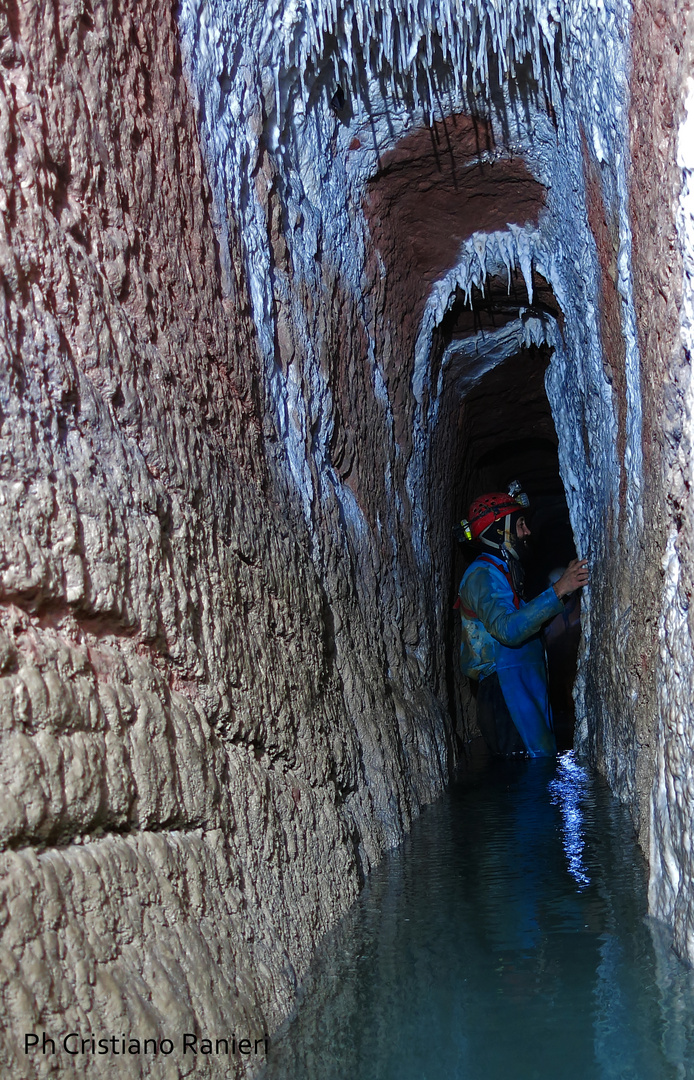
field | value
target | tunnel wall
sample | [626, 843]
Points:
[661, 141]
[599, 134]
[214, 719]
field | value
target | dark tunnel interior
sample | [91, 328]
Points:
[505, 432]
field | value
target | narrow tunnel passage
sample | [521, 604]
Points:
[495, 426]
[507, 434]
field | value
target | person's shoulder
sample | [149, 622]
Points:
[479, 568]
[487, 563]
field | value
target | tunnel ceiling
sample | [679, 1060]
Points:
[498, 304]
[506, 425]
[437, 187]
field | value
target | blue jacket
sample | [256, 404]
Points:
[500, 633]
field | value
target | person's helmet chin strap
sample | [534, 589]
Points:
[509, 544]
[505, 547]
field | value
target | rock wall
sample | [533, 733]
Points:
[661, 136]
[589, 98]
[205, 742]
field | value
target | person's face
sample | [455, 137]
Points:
[522, 534]
[522, 530]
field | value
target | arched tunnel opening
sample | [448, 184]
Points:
[485, 367]
[507, 435]
[498, 428]
[284, 289]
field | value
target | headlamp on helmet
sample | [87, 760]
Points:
[463, 532]
[514, 490]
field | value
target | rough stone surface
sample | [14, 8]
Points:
[603, 242]
[432, 191]
[663, 242]
[200, 756]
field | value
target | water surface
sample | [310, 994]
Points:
[506, 939]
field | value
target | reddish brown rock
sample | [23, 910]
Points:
[430, 194]
[171, 729]
[662, 63]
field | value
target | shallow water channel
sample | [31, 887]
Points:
[506, 938]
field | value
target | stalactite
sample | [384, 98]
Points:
[462, 35]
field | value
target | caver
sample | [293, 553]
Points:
[501, 644]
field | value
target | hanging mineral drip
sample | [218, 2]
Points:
[415, 48]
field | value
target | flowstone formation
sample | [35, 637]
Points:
[232, 244]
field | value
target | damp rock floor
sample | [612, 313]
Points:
[506, 938]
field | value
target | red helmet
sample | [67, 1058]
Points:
[488, 509]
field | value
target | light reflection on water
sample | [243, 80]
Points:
[506, 938]
[567, 790]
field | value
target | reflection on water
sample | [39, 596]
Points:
[506, 938]
[568, 789]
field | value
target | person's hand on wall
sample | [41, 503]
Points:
[574, 577]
